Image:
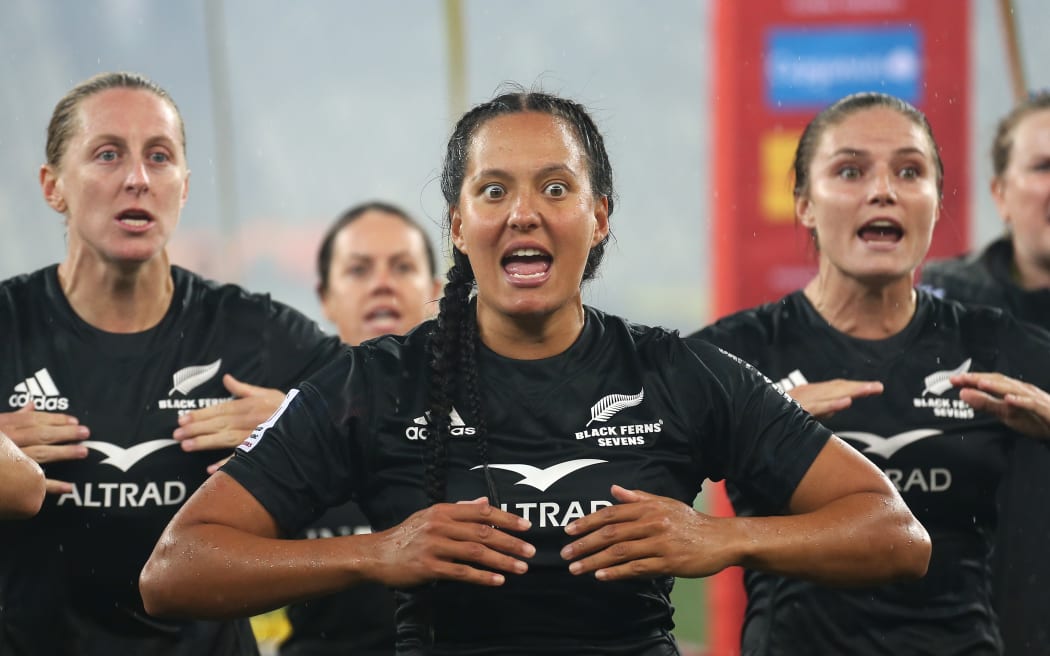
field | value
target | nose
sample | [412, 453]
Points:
[137, 181]
[883, 189]
[382, 280]
[523, 213]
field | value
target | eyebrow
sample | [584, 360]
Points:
[543, 172]
[152, 141]
[859, 152]
[372, 256]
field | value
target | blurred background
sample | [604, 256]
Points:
[296, 111]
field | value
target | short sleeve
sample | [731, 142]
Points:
[307, 456]
[296, 347]
[1024, 351]
[761, 441]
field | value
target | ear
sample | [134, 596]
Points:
[998, 189]
[601, 221]
[456, 228]
[185, 190]
[804, 212]
[327, 307]
[51, 188]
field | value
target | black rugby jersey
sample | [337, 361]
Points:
[69, 577]
[625, 404]
[945, 459]
[1020, 568]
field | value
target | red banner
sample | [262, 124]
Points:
[776, 64]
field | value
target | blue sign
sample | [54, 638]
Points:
[813, 67]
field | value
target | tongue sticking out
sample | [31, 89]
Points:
[527, 266]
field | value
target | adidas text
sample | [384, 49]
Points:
[48, 403]
[421, 432]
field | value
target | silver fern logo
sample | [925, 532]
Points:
[609, 405]
[938, 382]
[188, 379]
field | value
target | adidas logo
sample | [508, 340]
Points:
[454, 418]
[457, 426]
[39, 388]
[792, 380]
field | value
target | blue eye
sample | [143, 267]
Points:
[159, 158]
[849, 172]
[108, 155]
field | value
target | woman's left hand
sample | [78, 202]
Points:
[648, 535]
[1021, 406]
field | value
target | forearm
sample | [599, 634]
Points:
[21, 482]
[215, 571]
[860, 539]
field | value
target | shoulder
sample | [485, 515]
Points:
[747, 330]
[979, 277]
[192, 288]
[35, 283]
[622, 335]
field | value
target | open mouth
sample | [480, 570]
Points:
[881, 230]
[135, 218]
[527, 263]
[383, 314]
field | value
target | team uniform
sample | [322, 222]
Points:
[69, 577]
[1021, 570]
[358, 620]
[625, 405]
[946, 460]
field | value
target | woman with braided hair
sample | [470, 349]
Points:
[527, 462]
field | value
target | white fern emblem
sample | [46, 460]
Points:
[938, 383]
[185, 380]
[609, 405]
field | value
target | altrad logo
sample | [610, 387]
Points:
[541, 479]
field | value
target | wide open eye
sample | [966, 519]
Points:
[556, 190]
[493, 191]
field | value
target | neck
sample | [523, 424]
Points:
[1031, 274]
[117, 299]
[531, 337]
[861, 309]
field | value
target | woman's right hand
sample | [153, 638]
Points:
[454, 541]
[46, 437]
[825, 398]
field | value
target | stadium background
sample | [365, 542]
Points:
[295, 111]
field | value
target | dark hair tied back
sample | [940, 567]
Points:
[454, 342]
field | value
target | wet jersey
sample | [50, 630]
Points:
[69, 577]
[358, 620]
[945, 459]
[1021, 571]
[623, 405]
